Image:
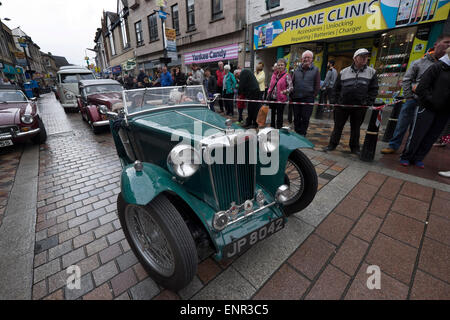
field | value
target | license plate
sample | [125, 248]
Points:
[6, 143]
[253, 238]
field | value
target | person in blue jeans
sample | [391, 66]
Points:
[410, 81]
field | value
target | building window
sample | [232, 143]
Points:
[153, 27]
[217, 9]
[190, 14]
[111, 42]
[270, 4]
[139, 37]
[123, 28]
[175, 19]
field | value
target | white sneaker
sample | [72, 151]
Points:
[445, 174]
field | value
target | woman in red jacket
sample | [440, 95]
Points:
[279, 90]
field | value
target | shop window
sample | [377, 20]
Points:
[175, 19]
[153, 27]
[139, 36]
[190, 14]
[217, 9]
[271, 4]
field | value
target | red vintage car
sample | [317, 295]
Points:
[94, 94]
[19, 118]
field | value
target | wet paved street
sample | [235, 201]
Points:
[363, 215]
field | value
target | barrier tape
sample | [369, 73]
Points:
[315, 103]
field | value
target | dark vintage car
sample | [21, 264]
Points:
[96, 93]
[19, 118]
[194, 185]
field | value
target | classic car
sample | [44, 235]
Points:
[96, 93]
[217, 192]
[19, 118]
[67, 85]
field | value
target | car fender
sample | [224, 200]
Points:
[271, 176]
[140, 188]
[93, 113]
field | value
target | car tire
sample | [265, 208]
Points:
[41, 138]
[176, 235]
[308, 185]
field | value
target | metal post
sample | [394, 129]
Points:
[370, 143]
[393, 120]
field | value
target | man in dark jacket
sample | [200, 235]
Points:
[210, 84]
[355, 85]
[141, 76]
[249, 87]
[434, 111]
[306, 81]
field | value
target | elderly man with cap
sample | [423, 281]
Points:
[356, 85]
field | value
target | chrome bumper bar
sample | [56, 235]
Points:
[101, 123]
[9, 136]
[252, 213]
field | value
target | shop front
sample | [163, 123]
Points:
[395, 32]
[209, 58]
[9, 71]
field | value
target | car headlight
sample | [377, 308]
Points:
[184, 161]
[27, 119]
[282, 195]
[269, 139]
[69, 96]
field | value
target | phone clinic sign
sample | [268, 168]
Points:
[353, 17]
[230, 52]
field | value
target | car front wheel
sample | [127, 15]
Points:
[301, 177]
[42, 136]
[161, 240]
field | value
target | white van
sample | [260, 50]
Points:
[67, 87]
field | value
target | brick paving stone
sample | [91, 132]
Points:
[374, 179]
[40, 290]
[96, 213]
[46, 244]
[65, 217]
[435, 259]
[96, 246]
[89, 226]
[59, 250]
[57, 281]
[443, 195]
[86, 286]
[77, 221]
[334, 228]
[83, 239]
[117, 225]
[40, 259]
[350, 255]
[73, 257]
[440, 207]
[58, 229]
[123, 296]
[105, 273]
[167, 295]
[367, 227]
[393, 257]
[46, 224]
[390, 188]
[312, 256]
[126, 260]
[41, 235]
[330, 285]
[100, 204]
[58, 295]
[379, 207]
[145, 290]
[46, 270]
[100, 293]
[194, 287]
[364, 191]
[351, 208]
[403, 228]
[54, 213]
[69, 234]
[428, 288]
[416, 191]
[83, 210]
[124, 281]
[286, 284]
[391, 289]
[104, 230]
[108, 218]
[439, 229]
[88, 264]
[125, 245]
[140, 272]
[208, 270]
[115, 237]
[110, 253]
[411, 207]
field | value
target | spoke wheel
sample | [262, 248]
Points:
[295, 180]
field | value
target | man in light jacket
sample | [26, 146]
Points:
[330, 80]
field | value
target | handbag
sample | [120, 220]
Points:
[262, 116]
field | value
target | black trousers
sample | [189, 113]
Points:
[277, 112]
[253, 109]
[427, 128]
[220, 90]
[341, 115]
[229, 104]
[302, 115]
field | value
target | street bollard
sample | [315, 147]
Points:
[370, 143]
[393, 120]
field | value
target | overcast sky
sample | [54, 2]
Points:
[62, 27]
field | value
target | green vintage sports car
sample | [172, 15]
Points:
[194, 185]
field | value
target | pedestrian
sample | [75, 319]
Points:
[410, 81]
[433, 92]
[197, 76]
[328, 84]
[249, 89]
[166, 78]
[280, 88]
[220, 74]
[210, 84]
[229, 85]
[141, 76]
[355, 85]
[147, 83]
[261, 78]
[180, 77]
[306, 82]
[135, 84]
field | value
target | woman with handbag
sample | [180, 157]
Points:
[229, 86]
[279, 90]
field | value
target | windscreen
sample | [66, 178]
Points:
[12, 96]
[103, 88]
